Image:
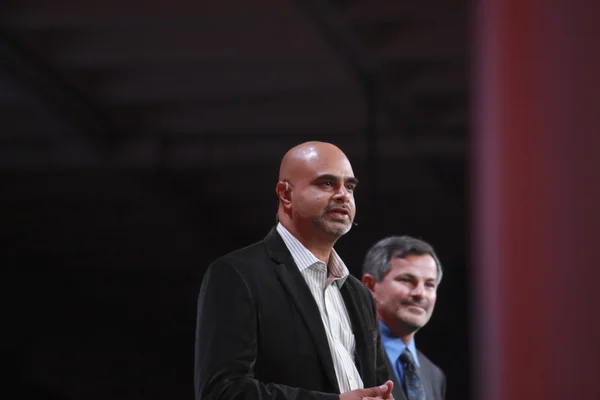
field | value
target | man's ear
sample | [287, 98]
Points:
[284, 192]
[369, 281]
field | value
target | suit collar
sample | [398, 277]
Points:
[290, 277]
[397, 390]
[277, 249]
[364, 335]
[394, 346]
[304, 258]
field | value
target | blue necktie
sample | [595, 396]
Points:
[411, 382]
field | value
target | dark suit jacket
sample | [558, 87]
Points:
[259, 333]
[432, 378]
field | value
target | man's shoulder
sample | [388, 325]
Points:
[434, 374]
[254, 249]
[248, 255]
[249, 263]
[428, 364]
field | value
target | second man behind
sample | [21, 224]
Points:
[403, 274]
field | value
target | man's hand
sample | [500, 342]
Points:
[383, 392]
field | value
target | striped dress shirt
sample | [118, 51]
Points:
[324, 282]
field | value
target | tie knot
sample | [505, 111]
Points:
[407, 358]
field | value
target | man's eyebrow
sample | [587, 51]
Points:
[413, 276]
[352, 180]
[329, 177]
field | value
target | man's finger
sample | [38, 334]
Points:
[376, 391]
[388, 392]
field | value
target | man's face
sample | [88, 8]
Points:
[406, 296]
[323, 197]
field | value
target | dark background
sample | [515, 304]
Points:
[140, 140]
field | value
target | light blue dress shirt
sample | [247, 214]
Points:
[394, 346]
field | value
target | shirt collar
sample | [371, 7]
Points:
[394, 346]
[305, 259]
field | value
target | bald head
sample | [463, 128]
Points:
[316, 191]
[301, 157]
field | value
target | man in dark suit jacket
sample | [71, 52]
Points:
[403, 274]
[282, 318]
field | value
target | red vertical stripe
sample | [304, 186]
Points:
[537, 215]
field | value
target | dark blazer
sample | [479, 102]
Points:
[432, 378]
[259, 333]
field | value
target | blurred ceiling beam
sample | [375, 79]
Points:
[74, 106]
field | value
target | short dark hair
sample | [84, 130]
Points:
[378, 260]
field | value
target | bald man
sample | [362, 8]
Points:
[283, 318]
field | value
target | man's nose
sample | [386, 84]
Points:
[342, 194]
[418, 290]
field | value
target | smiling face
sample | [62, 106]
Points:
[406, 295]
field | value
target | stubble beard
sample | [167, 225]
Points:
[412, 322]
[333, 228]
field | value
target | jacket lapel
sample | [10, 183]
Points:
[426, 376]
[362, 335]
[397, 390]
[294, 283]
